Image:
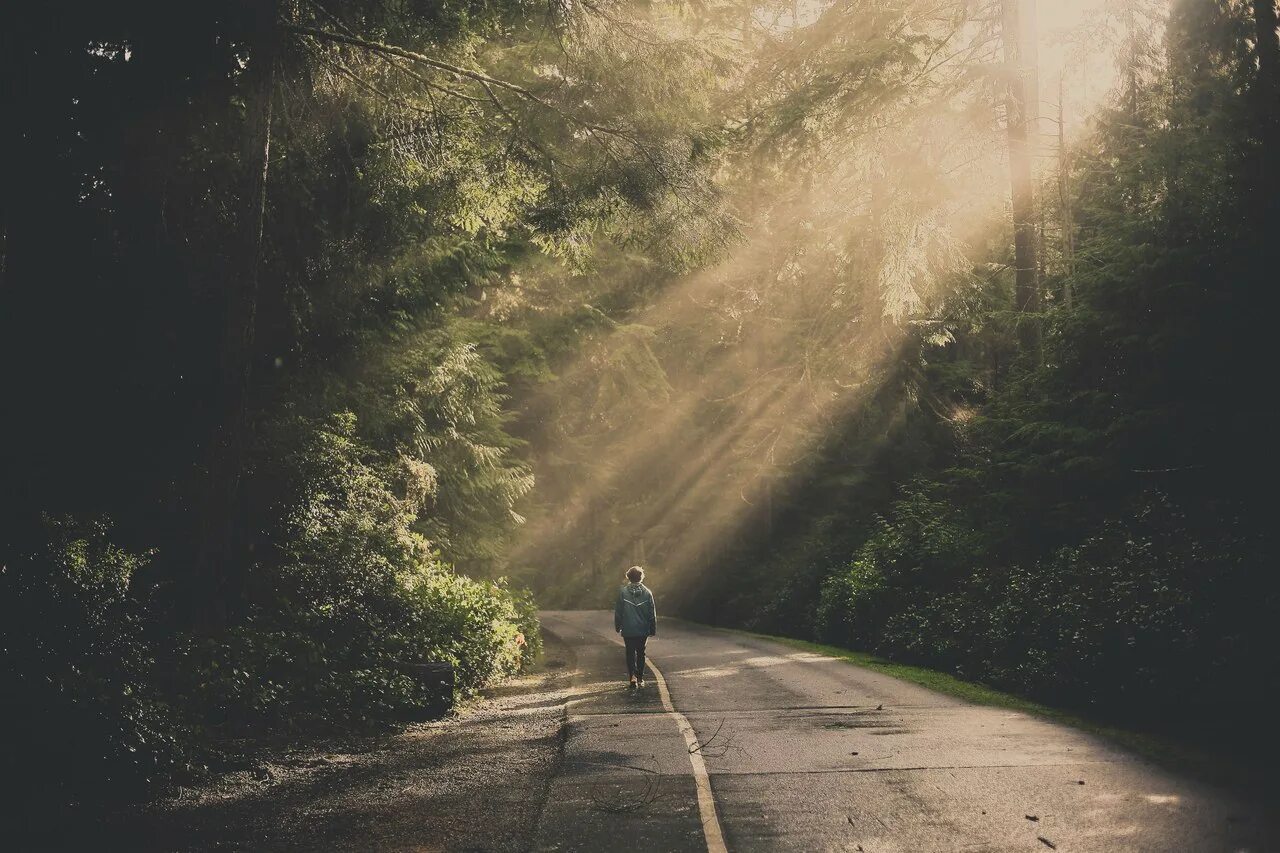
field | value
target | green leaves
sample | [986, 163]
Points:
[77, 661]
[356, 587]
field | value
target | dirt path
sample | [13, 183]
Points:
[474, 782]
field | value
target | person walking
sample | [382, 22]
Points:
[636, 618]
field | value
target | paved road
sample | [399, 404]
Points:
[815, 754]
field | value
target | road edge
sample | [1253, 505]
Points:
[1197, 762]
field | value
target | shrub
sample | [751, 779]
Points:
[76, 676]
[349, 594]
[1144, 619]
[352, 593]
[916, 550]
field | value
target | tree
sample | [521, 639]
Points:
[220, 581]
[1267, 48]
[1065, 200]
[1018, 34]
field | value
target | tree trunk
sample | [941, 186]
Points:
[1268, 50]
[1065, 201]
[221, 563]
[1131, 60]
[1021, 105]
[13, 85]
[1265, 23]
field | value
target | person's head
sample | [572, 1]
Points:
[635, 574]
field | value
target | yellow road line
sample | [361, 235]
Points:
[706, 802]
[701, 779]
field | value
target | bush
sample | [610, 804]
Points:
[353, 592]
[77, 677]
[914, 551]
[1146, 619]
[326, 666]
[472, 624]
[530, 627]
[850, 609]
[349, 594]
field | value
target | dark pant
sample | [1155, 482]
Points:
[635, 655]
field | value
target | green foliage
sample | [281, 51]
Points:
[378, 481]
[432, 405]
[1117, 624]
[917, 547]
[78, 676]
[1084, 523]
[351, 592]
[460, 283]
[348, 593]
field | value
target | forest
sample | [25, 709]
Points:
[343, 333]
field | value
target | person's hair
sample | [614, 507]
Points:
[635, 574]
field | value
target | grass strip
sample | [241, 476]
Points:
[1193, 759]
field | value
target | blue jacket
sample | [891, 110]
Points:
[634, 613]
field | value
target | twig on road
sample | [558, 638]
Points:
[717, 745]
[621, 800]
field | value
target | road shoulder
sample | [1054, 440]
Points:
[475, 781]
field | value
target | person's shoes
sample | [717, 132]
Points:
[640, 683]
[633, 682]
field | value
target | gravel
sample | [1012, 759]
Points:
[475, 781]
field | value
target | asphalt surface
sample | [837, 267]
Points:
[809, 753]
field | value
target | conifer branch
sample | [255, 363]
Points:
[457, 71]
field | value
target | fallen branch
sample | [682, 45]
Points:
[622, 801]
[714, 746]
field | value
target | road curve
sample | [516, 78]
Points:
[809, 753]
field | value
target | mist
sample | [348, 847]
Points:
[866, 215]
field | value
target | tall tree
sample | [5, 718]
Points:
[1268, 100]
[1021, 109]
[1265, 24]
[1065, 201]
[219, 584]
